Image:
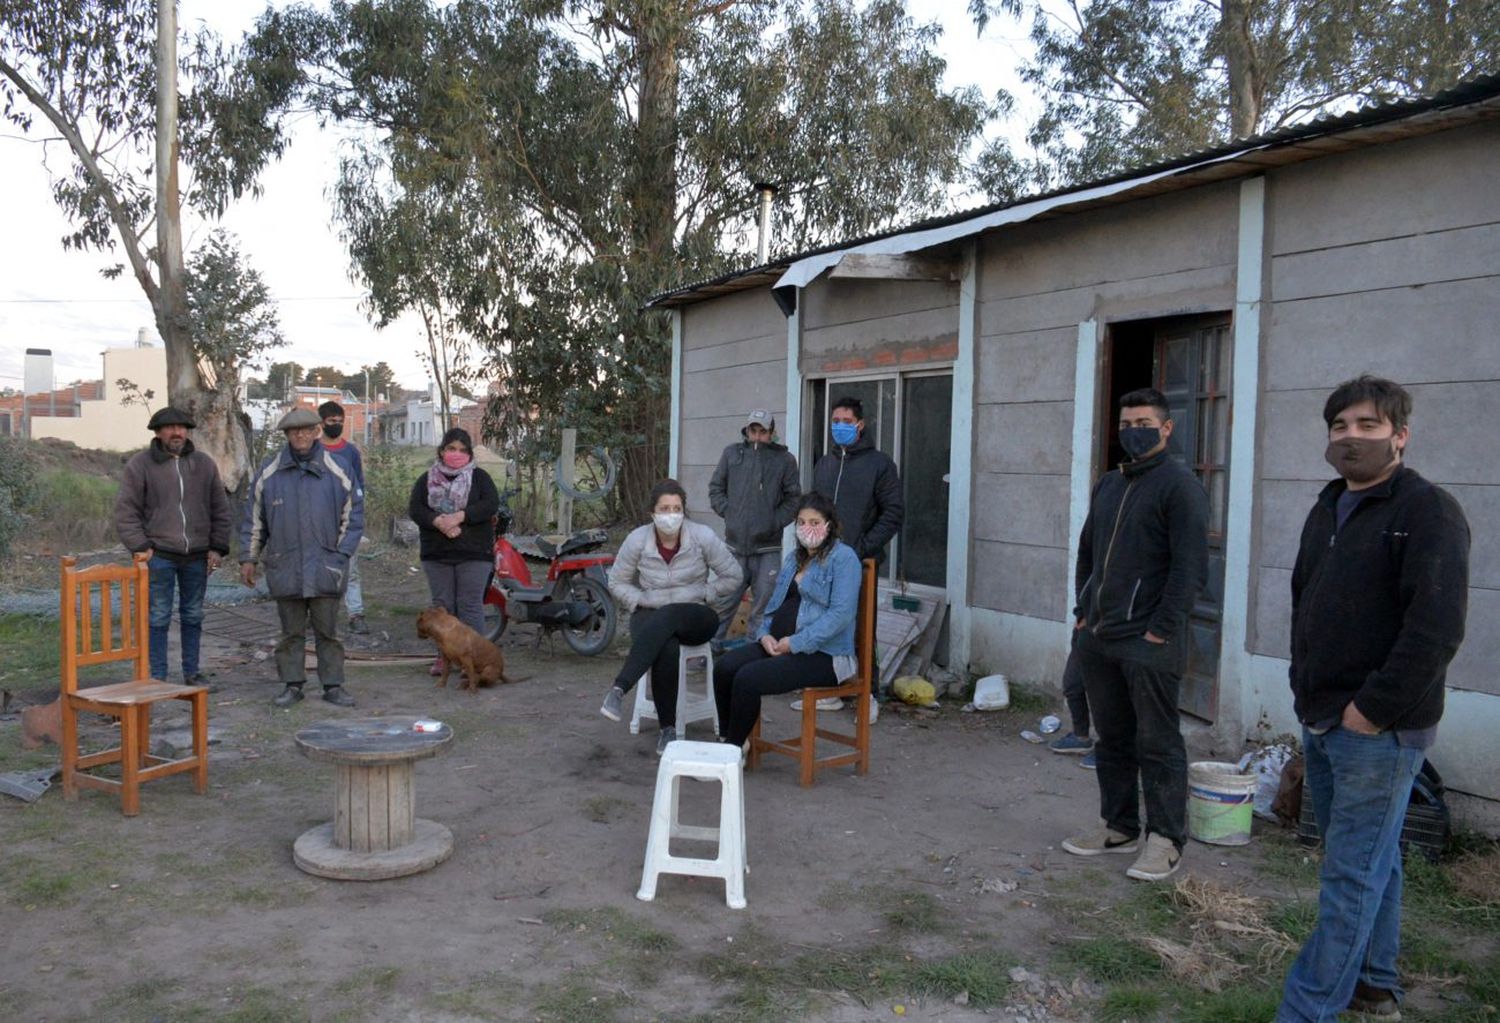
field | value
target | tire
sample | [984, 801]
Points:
[599, 632]
[495, 621]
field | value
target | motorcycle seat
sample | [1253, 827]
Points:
[547, 546]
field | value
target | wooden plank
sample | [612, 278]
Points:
[874, 266]
[341, 806]
[401, 798]
[379, 802]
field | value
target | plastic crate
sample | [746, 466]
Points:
[1426, 829]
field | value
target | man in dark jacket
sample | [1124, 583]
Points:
[303, 520]
[1142, 559]
[342, 448]
[1379, 596]
[754, 490]
[172, 506]
[861, 481]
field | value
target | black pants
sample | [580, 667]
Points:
[1132, 689]
[743, 676]
[656, 638]
[1076, 695]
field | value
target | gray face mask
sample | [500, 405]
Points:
[1361, 459]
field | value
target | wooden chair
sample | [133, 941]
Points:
[121, 637]
[803, 746]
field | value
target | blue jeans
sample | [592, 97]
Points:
[1359, 785]
[189, 579]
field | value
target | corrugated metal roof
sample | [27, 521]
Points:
[1472, 100]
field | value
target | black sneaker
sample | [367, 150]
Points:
[336, 696]
[1374, 1001]
[288, 696]
[200, 679]
[357, 624]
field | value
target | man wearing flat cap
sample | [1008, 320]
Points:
[172, 506]
[303, 521]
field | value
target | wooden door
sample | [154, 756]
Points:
[1192, 364]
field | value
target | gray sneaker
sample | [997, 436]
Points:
[664, 737]
[612, 703]
[1098, 842]
[288, 696]
[357, 625]
[1158, 861]
[1072, 743]
[337, 696]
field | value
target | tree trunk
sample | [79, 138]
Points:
[1239, 60]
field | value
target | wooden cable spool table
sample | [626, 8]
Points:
[375, 833]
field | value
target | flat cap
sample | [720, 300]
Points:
[299, 417]
[170, 416]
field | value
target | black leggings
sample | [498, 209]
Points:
[656, 638]
[743, 676]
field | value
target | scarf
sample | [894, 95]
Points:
[448, 489]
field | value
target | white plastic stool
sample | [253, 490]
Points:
[690, 706]
[710, 761]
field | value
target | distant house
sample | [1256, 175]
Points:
[105, 415]
[418, 423]
[990, 350]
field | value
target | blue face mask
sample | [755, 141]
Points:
[845, 434]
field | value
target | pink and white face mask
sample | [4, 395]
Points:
[812, 536]
[455, 459]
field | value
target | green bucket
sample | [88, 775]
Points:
[1220, 801]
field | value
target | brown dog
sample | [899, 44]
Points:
[461, 647]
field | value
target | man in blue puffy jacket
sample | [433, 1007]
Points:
[303, 521]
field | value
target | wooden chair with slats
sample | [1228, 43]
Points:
[802, 747]
[118, 631]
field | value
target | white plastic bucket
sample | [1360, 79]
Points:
[1220, 801]
[991, 693]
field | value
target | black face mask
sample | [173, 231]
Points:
[333, 431]
[1137, 440]
[1361, 459]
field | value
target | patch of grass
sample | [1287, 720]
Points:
[603, 809]
[1109, 959]
[1242, 1004]
[577, 1001]
[904, 911]
[1029, 699]
[1130, 1005]
[90, 503]
[1430, 897]
[1426, 952]
[985, 976]
[46, 886]
[1148, 908]
[28, 657]
[490, 995]
[1286, 859]
[1295, 919]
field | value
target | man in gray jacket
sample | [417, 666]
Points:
[172, 507]
[754, 490]
[303, 521]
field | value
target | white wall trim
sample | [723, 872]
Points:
[961, 461]
[1239, 706]
[1085, 401]
[792, 430]
[674, 445]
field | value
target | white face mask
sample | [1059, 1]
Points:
[667, 523]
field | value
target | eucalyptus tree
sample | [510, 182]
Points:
[532, 170]
[81, 77]
[1131, 81]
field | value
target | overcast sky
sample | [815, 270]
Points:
[50, 298]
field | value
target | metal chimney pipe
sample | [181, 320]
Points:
[767, 193]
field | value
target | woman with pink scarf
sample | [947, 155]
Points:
[454, 504]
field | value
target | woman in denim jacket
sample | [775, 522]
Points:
[806, 637]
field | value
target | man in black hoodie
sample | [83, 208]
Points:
[1379, 596]
[865, 487]
[1142, 559]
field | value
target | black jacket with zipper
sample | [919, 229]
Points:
[865, 488]
[1378, 606]
[754, 490]
[1143, 555]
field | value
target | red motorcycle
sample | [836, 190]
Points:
[574, 597]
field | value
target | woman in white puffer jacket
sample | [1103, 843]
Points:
[670, 574]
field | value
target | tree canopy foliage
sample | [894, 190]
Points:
[1127, 82]
[535, 169]
[229, 305]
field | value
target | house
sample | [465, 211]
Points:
[112, 415]
[990, 349]
[418, 422]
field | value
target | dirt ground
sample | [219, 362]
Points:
[932, 889]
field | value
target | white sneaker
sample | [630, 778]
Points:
[827, 703]
[874, 711]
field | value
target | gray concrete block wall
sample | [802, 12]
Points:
[733, 360]
[1385, 261]
[1036, 283]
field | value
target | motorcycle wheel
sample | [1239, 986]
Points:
[595, 635]
[495, 621]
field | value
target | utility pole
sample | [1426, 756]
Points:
[367, 406]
